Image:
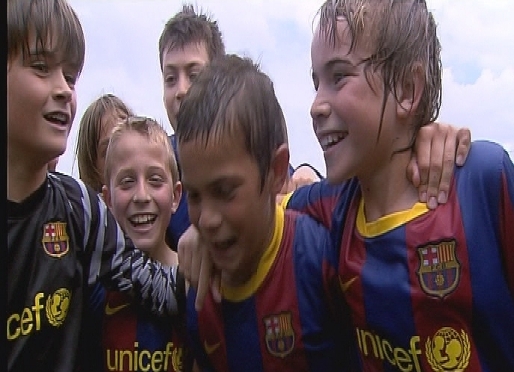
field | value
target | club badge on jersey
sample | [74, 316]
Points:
[55, 239]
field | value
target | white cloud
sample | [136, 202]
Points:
[122, 58]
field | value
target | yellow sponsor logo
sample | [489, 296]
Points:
[210, 348]
[30, 319]
[144, 360]
[113, 310]
[347, 284]
[446, 351]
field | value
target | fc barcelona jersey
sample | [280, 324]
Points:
[429, 290]
[61, 239]
[133, 339]
[282, 319]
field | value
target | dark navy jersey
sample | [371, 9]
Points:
[282, 319]
[429, 290]
[62, 239]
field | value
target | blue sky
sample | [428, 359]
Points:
[477, 38]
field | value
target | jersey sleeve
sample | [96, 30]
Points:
[111, 257]
[507, 217]
[317, 200]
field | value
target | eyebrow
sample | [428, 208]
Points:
[336, 61]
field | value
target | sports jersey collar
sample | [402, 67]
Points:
[268, 258]
[387, 222]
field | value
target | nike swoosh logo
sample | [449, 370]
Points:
[347, 284]
[113, 310]
[209, 349]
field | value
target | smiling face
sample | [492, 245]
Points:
[180, 66]
[347, 109]
[41, 103]
[226, 203]
[141, 191]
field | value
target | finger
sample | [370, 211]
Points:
[413, 171]
[216, 287]
[196, 262]
[435, 167]
[463, 145]
[448, 166]
[422, 149]
[184, 259]
[204, 280]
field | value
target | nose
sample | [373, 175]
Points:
[320, 108]
[62, 90]
[141, 194]
[183, 85]
[209, 219]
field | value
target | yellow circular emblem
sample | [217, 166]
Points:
[57, 305]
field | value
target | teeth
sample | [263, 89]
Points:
[58, 117]
[331, 139]
[142, 218]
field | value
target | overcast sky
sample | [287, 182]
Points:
[477, 38]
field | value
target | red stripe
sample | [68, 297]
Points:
[281, 276]
[431, 313]
[507, 236]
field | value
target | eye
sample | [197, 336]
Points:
[337, 77]
[193, 75]
[40, 66]
[71, 79]
[224, 192]
[156, 180]
[126, 182]
[193, 197]
[170, 80]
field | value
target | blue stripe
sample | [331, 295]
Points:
[242, 335]
[478, 190]
[386, 287]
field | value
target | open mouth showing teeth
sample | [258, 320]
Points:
[57, 118]
[331, 140]
[142, 219]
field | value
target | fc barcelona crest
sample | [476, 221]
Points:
[279, 334]
[439, 269]
[55, 239]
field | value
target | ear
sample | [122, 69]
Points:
[177, 195]
[106, 196]
[280, 168]
[410, 91]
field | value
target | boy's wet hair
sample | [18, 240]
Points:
[47, 20]
[187, 27]
[90, 130]
[232, 96]
[152, 131]
[400, 36]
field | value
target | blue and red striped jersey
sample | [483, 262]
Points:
[283, 319]
[429, 290]
[133, 339]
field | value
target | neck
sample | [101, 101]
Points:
[243, 275]
[387, 190]
[23, 176]
[164, 254]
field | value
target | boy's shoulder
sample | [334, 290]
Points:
[485, 159]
